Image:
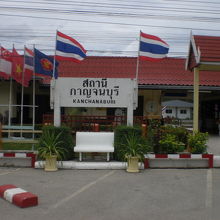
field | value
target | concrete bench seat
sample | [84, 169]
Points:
[101, 142]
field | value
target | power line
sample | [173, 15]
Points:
[107, 22]
[141, 8]
[123, 15]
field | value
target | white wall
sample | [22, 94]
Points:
[181, 115]
[176, 112]
[171, 115]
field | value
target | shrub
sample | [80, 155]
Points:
[198, 142]
[154, 133]
[123, 135]
[106, 128]
[170, 144]
[180, 133]
[65, 140]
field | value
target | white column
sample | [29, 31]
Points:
[130, 109]
[196, 101]
[52, 87]
[130, 115]
[57, 112]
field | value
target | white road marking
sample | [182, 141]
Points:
[9, 172]
[208, 202]
[87, 186]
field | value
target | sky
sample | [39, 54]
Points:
[106, 27]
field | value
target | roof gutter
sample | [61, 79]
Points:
[178, 87]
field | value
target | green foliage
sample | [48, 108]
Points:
[106, 128]
[17, 146]
[50, 145]
[134, 146]
[166, 138]
[128, 141]
[154, 134]
[180, 133]
[198, 142]
[64, 139]
[169, 144]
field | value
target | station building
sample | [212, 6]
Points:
[158, 82]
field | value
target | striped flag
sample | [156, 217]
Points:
[5, 63]
[17, 67]
[28, 65]
[69, 49]
[163, 109]
[152, 48]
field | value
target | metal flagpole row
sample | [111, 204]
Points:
[0, 120]
[9, 105]
[136, 75]
[138, 60]
[22, 95]
[53, 81]
[34, 85]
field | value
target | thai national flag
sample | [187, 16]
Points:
[28, 65]
[28, 60]
[152, 48]
[69, 49]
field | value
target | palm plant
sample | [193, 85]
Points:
[134, 146]
[49, 145]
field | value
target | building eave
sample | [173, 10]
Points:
[178, 87]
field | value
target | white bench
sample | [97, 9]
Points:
[102, 142]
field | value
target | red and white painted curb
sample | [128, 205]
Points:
[18, 196]
[178, 156]
[20, 155]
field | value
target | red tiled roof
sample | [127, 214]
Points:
[100, 67]
[169, 71]
[209, 47]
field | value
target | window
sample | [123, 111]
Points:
[183, 111]
[169, 111]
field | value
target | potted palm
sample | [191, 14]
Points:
[133, 151]
[50, 149]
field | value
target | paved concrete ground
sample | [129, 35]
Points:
[214, 144]
[157, 194]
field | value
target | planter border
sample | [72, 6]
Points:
[19, 154]
[178, 156]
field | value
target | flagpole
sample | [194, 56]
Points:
[136, 75]
[53, 81]
[22, 93]
[10, 100]
[34, 79]
[137, 66]
[54, 59]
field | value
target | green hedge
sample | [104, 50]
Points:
[66, 139]
[17, 146]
